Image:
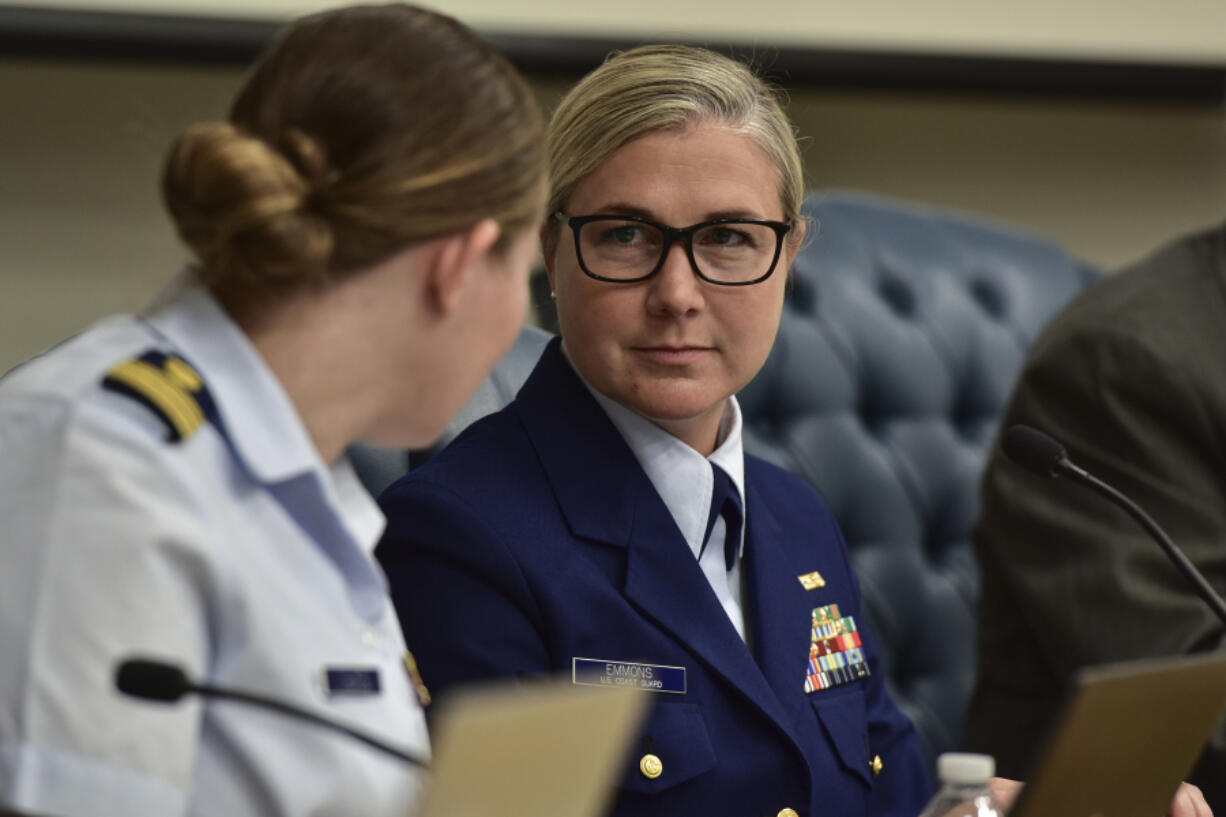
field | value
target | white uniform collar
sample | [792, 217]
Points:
[681, 476]
[261, 423]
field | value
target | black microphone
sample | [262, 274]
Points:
[1040, 454]
[154, 680]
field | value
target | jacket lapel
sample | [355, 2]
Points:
[664, 581]
[606, 497]
[582, 454]
[781, 625]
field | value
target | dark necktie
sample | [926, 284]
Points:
[725, 502]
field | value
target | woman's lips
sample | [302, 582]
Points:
[672, 355]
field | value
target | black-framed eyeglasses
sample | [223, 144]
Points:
[731, 252]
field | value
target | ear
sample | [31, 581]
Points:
[792, 242]
[451, 264]
[549, 246]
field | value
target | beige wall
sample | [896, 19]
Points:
[82, 234]
[1106, 181]
[81, 230]
[1179, 30]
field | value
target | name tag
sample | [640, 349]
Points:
[650, 677]
[351, 681]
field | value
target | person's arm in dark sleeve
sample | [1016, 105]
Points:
[1070, 580]
[465, 608]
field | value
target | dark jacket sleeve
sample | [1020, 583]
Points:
[465, 608]
[1070, 580]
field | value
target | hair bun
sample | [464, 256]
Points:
[307, 156]
[242, 206]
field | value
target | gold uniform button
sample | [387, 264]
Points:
[651, 767]
[788, 812]
[876, 765]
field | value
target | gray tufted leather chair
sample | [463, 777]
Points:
[901, 338]
[902, 333]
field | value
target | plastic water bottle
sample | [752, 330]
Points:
[964, 787]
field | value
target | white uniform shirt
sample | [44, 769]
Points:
[684, 480]
[242, 557]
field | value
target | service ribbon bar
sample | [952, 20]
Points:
[835, 654]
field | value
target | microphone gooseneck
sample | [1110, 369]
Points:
[154, 680]
[1040, 454]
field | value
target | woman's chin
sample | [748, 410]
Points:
[686, 419]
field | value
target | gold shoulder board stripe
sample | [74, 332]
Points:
[166, 389]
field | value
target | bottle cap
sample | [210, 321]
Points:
[963, 768]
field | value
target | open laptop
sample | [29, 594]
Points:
[550, 749]
[1130, 733]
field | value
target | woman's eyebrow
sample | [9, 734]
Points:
[627, 209]
[732, 214]
[624, 209]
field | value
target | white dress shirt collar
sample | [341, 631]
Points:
[681, 476]
[261, 423]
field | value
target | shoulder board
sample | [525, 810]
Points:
[167, 385]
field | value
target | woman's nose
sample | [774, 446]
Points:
[676, 288]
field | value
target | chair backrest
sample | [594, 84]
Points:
[903, 332]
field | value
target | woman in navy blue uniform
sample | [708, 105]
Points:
[607, 524]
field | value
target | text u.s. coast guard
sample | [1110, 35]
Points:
[648, 677]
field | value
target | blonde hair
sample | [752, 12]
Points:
[360, 131]
[668, 87]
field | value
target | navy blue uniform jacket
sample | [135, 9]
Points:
[536, 537]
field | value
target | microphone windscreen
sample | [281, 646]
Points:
[1033, 450]
[151, 680]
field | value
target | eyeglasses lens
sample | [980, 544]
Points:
[728, 252]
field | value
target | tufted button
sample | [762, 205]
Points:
[899, 295]
[787, 812]
[990, 296]
[651, 767]
[876, 766]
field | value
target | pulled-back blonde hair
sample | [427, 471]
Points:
[667, 87]
[360, 131]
